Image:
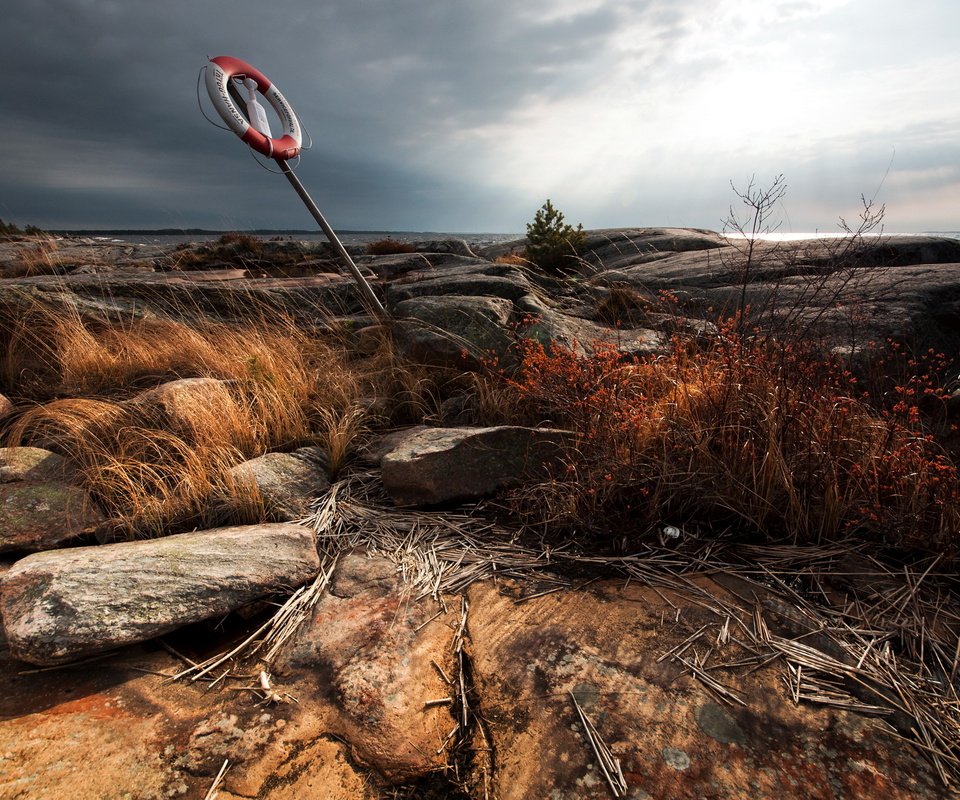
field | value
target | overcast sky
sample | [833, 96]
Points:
[457, 115]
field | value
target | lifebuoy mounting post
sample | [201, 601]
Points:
[253, 128]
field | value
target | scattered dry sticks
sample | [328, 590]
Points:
[270, 637]
[609, 763]
[888, 644]
[892, 639]
[213, 791]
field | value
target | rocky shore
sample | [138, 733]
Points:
[421, 649]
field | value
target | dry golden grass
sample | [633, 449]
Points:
[406, 392]
[338, 434]
[40, 257]
[516, 259]
[624, 305]
[153, 458]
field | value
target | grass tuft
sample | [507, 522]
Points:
[389, 247]
[152, 446]
[39, 257]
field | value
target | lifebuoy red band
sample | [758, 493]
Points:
[225, 68]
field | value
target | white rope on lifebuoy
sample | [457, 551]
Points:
[221, 71]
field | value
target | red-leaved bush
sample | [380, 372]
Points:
[747, 434]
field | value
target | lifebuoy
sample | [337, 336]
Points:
[222, 70]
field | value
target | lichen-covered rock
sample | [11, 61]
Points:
[438, 465]
[40, 508]
[37, 515]
[453, 330]
[673, 737]
[33, 464]
[549, 326]
[63, 605]
[371, 654]
[286, 482]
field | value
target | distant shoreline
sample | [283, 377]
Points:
[255, 231]
[385, 233]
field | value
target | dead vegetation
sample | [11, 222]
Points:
[389, 247]
[38, 256]
[846, 629]
[154, 459]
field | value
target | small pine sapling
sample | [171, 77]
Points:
[551, 242]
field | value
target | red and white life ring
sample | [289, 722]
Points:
[222, 69]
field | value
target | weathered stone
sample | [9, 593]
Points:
[33, 464]
[453, 331]
[38, 515]
[549, 326]
[901, 287]
[716, 722]
[60, 606]
[121, 730]
[507, 287]
[370, 653]
[286, 482]
[374, 452]
[177, 398]
[671, 736]
[419, 264]
[439, 465]
[457, 247]
[4, 569]
[320, 768]
[39, 508]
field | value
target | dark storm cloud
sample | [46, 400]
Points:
[99, 99]
[415, 106]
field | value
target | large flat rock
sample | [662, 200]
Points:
[673, 736]
[64, 605]
[439, 465]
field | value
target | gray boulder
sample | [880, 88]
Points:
[40, 509]
[286, 482]
[440, 465]
[61, 606]
[453, 330]
[33, 464]
[612, 248]
[550, 326]
[390, 267]
[457, 247]
[510, 286]
[177, 398]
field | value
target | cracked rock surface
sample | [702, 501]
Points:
[367, 664]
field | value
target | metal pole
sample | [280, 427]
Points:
[372, 301]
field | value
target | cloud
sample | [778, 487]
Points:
[468, 115]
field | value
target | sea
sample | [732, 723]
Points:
[172, 238]
[347, 237]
